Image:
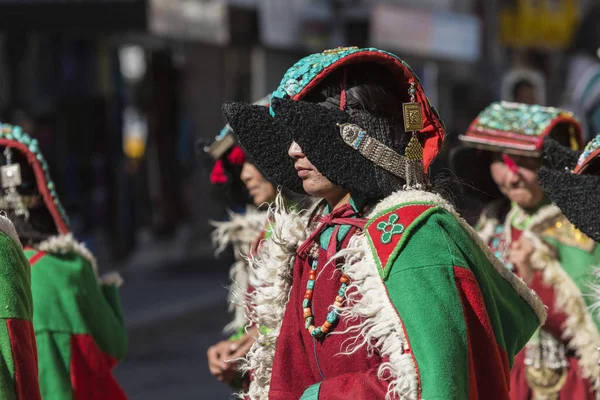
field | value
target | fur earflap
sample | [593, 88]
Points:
[558, 156]
[266, 146]
[577, 196]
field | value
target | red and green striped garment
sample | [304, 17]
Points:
[78, 327]
[464, 322]
[19, 369]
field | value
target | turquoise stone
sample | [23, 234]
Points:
[51, 185]
[25, 139]
[309, 321]
[342, 291]
[332, 316]
[305, 303]
[317, 332]
[310, 284]
[9, 136]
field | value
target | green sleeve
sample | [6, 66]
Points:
[579, 264]
[69, 298]
[17, 304]
[54, 354]
[428, 303]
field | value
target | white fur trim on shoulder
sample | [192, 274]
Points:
[415, 196]
[377, 324]
[240, 231]
[112, 278]
[64, 244]
[271, 276]
[7, 227]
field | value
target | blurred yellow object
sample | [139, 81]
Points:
[134, 147]
[547, 24]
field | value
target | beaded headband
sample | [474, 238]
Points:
[591, 152]
[519, 128]
[14, 137]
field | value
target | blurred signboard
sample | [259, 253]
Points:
[204, 20]
[426, 33]
[542, 24]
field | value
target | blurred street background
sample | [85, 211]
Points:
[118, 92]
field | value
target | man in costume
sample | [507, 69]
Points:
[243, 231]
[534, 239]
[77, 317]
[380, 290]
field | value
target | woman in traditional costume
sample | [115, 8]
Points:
[77, 316]
[238, 181]
[532, 237]
[380, 290]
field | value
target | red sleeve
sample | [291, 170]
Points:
[24, 353]
[556, 318]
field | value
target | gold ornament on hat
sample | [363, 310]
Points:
[10, 175]
[416, 178]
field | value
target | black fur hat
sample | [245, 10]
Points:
[266, 137]
[572, 181]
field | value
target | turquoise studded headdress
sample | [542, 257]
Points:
[384, 156]
[14, 138]
[307, 73]
[521, 128]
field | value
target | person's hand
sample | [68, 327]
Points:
[224, 357]
[520, 256]
[216, 359]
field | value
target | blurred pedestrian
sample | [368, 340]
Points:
[532, 237]
[380, 290]
[582, 85]
[77, 316]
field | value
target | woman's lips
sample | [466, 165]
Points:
[303, 173]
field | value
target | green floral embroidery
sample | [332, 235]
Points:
[389, 228]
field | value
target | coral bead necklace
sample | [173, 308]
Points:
[333, 315]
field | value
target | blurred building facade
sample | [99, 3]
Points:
[117, 91]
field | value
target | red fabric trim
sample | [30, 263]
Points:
[489, 372]
[499, 138]
[556, 318]
[406, 216]
[24, 352]
[432, 132]
[36, 257]
[91, 371]
[42, 184]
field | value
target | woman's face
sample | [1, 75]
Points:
[261, 190]
[519, 181]
[313, 181]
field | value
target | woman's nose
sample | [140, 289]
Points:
[295, 151]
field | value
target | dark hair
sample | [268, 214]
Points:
[374, 98]
[520, 84]
[40, 225]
